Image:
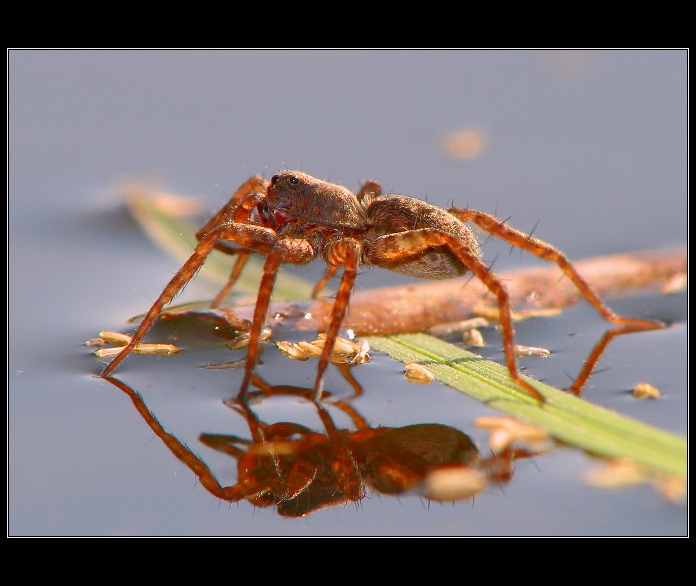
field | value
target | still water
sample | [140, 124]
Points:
[588, 149]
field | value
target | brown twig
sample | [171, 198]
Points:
[418, 307]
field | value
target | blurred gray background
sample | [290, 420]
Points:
[588, 148]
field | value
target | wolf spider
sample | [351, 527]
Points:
[296, 218]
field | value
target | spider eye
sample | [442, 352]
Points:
[274, 179]
[294, 180]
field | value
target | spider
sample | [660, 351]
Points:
[296, 218]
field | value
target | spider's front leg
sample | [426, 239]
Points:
[257, 238]
[253, 185]
[287, 250]
[343, 252]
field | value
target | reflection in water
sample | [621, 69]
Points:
[300, 470]
[226, 324]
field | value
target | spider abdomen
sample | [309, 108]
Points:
[415, 238]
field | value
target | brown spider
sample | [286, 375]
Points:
[296, 218]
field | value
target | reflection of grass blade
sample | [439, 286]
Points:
[176, 236]
[569, 419]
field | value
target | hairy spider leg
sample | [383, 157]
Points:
[247, 235]
[548, 252]
[368, 189]
[255, 184]
[381, 251]
[330, 271]
[237, 268]
[270, 272]
[346, 253]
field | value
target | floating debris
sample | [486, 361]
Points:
[454, 483]
[417, 373]
[506, 431]
[222, 365]
[675, 283]
[449, 328]
[531, 351]
[242, 339]
[120, 341]
[344, 351]
[473, 337]
[616, 473]
[492, 313]
[624, 472]
[645, 391]
[468, 143]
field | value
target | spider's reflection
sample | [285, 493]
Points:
[301, 470]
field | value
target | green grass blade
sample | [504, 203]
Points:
[568, 418]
